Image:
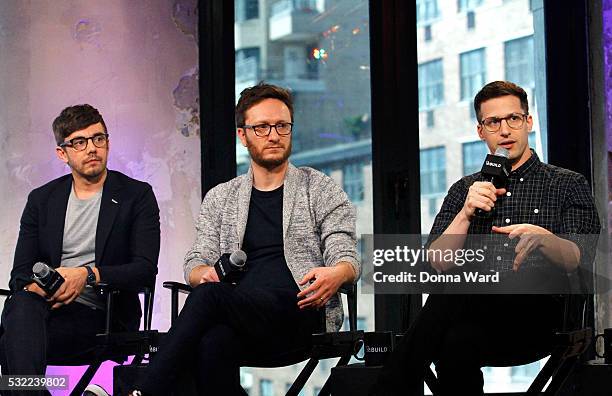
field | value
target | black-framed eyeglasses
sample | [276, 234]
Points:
[514, 121]
[80, 143]
[263, 130]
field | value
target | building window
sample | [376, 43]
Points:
[473, 72]
[427, 10]
[525, 373]
[474, 154]
[352, 181]
[288, 385]
[265, 387]
[246, 9]
[531, 140]
[431, 84]
[468, 5]
[518, 60]
[433, 171]
[247, 64]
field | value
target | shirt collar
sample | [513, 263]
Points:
[529, 166]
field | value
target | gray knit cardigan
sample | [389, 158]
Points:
[318, 226]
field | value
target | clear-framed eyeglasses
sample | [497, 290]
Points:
[80, 143]
[263, 130]
[514, 121]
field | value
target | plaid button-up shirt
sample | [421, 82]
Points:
[554, 198]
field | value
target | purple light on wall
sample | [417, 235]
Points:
[607, 50]
[137, 62]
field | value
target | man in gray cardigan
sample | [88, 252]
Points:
[297, 227]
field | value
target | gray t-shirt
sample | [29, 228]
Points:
[79, 244]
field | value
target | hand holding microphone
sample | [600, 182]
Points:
[61, 286]
[482, 195]
[228, 268]
[47, 278]
[481, 199]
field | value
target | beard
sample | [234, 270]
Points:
[89, 173]
[270, 162]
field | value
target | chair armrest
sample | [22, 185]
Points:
[104, 288]
[5, 292]
[178, 286]
[175, 289]
[109, 292]
[350, 289]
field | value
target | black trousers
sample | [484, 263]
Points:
[222, 326]
[462, 333]
[35, 335]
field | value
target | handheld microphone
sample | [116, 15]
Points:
[231, 267]
[496, 169]
[47, 278]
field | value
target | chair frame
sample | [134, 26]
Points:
[568, 346]
[342, 344]
[117, 346]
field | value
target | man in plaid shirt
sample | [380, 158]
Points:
[545, 211]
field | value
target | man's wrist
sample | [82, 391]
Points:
[463, 217]
[348, 271]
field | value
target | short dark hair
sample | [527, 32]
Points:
[75, 118]
[497, 89]
[249, 97]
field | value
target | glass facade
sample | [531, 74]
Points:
[470, 46]
[319, 50]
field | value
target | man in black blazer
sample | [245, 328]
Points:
[93, 225]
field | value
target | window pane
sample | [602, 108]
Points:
[319, 49]
[246, 9]
[467, 5]
[265, 388]
[431, 84]
[433, 171]
[519, 62]
[473, 154]
[473, 73]
[427, 11]
[458, 60]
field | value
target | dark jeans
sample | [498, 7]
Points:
[219, 328]
[35, 336]
[462, 333]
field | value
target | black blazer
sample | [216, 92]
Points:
[127, 238]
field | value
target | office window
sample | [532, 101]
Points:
[246, 9]
[433, 171]
[454, 123]
[266, 388]
[431, 84]
[519, 61]
[473, 73]
[427, 10]
[474, 154]
[352, 181]
[468, 5]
